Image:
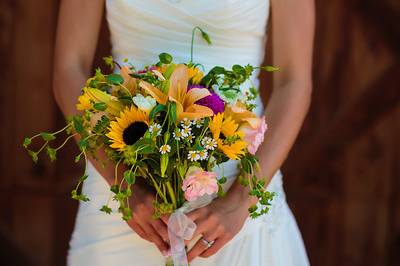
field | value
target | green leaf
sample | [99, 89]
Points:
[33, 155]
[100, 106]
[114, 188]
[82, 143]
[78, 125]
[51, 153]
[159, 108]
[106, 209]
[127, 214]
[270, 68]
[27, 142]
[239, 69]
[83, 177]
[109, 61]
[222, 180]
[129, 177]
[101, 125]
[205, 36]
[115, 79]
[168, 71]
[172, 112]
[144, 146]
[47, 136]
[78, 157]
[165, 58]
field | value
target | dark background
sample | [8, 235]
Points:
[342, 176]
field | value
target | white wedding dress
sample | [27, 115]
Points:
[140, 30]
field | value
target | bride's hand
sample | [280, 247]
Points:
[219, 221]
[142, 222]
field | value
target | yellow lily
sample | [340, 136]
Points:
[129, 82]
[177, 92]
[114, 107]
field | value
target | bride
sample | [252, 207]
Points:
[142, 29]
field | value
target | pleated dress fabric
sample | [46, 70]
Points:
[140, 31]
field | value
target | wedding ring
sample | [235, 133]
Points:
[208, 244]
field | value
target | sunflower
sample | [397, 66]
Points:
[128, 128]
[229, 139]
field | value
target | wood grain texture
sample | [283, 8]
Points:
[341, 178]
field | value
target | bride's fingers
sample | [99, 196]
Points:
[201, 246]
[165, 218]
[218, 244]
[161, 229]
[196, 214]
[137, 228]
[155, 237]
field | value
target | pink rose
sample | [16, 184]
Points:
[254, 133]
[198, 182]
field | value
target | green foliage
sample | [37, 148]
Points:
[77, 123]
[270, 68]
[114, 79]
[78, 157]
[157, 109]
[33, 155]
[205, 36]
[106, 209]
[51, 153]
[27, 142]
[109, 61]
[100, 106]
[165, 58]
[76, 196]
[83, 143]
[144, 146]
[47, 136]
[129, 177]
[102, 125]
[83, 177]
[172, 113]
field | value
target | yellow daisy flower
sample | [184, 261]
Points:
[128, 128]
[195, 74]
[229, 139]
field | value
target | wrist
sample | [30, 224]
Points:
[239, 194]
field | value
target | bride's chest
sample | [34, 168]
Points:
[212, 10]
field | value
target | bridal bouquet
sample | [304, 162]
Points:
[169, 124]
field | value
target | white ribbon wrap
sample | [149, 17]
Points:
[181, 228]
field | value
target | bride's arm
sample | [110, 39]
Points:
[293, 34]
[77, 33]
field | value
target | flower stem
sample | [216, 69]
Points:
[192, 43]
[171, 193]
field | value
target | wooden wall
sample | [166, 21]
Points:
[341, 177]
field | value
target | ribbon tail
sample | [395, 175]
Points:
[180, 228]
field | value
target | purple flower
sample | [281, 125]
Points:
[213, 101]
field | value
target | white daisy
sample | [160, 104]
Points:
[155, 128]
[203, 154]
[186, 131]
[177, 134]
[190, 138]
[193, 156]
[165, 149]
[209, 143]
[198, 123]
[186, 122]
